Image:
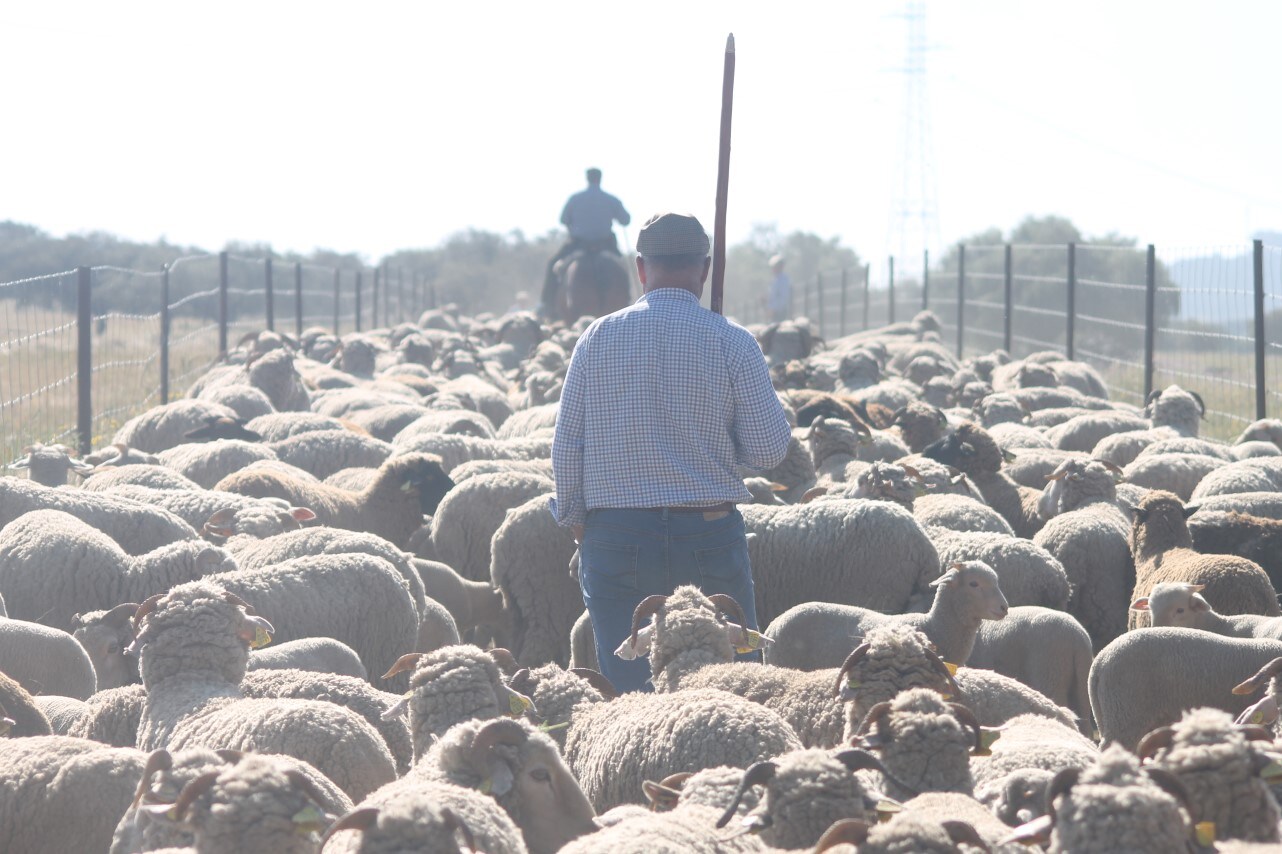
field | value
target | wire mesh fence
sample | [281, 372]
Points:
[81, 351]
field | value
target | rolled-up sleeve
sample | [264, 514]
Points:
[760, 428]
[567, 444]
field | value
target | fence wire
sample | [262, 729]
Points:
[1272, 263]
[125, 349]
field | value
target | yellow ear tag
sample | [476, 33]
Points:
[261, 638]
[518, 703]
[1272, 773]
[309, 820]
[986, 739]
[887, 809]
[952, 668]
[753, 642]
[1205, 832]
[1257, 717]
[485, 786]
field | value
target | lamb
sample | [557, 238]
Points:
[836, 550]
[49, 465]
[896, 658]
[1163, 551]
[1114, 805]
[1089, 535]
[923, 742]
[1029, 574]
[1182, 605]
[253, 805]
[435, 817]
[540, 600]
[61, 794]
[1215, 762]
[972, 451]
[357, 599]
[818, 634]
[166, 426]
[1255, 474]
[521, 769]
[193, 648]
[1131, 679]
[470, 603]
[1255, 538]
[392, 506]
[1043, 648]
[136, 527]
[806, 791]
[53, 566]
[468, 516]
[45, 660]
[449, 686]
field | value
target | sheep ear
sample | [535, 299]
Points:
[778, 487]
[812, 493]
[1197, 603]
[1188, 511]
[847, 831]
[1140, 604]
[302, 514]
[1033, 833]
[220, 524]
[662, 798]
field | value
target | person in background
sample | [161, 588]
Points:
[663, 402]
[779, 299]
[589, 216]
[521, 302]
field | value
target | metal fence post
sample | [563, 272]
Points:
[164, 335]
[84, 360]
[271, 296]
[222, 305]
[890, 289]
[337, 273]
[961, 297]
[373, 318]
[1071, 309]
[298, 298]
[400, 294]
[842, 331]
[1257, 247]
[1007, 311]
[1150, 315]
[819, 294]
[805, 301]
[925, 279]
[867, 291]
[358, 300]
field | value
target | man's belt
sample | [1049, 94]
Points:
[723, 507]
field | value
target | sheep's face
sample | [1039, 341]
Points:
[423, 476]
[968, 449]
[1160, 519]
[1175, 604]
[1019, 797]
[105, 635]
[554, 809]
[976, 586]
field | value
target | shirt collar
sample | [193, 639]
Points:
[662, 294]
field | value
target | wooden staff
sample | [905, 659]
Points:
[723, 182]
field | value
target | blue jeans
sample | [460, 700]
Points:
[627, 555]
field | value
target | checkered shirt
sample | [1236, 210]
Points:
[663, 401]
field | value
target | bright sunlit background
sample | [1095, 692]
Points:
[381, 126]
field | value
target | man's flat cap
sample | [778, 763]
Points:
[668, 234]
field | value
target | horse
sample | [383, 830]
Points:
[592, 284]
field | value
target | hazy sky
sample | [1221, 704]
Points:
[377, 126]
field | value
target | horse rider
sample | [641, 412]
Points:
[589, 216]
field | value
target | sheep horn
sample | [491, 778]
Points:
[1162, 737]
[846, 831]
[597, 680]
[118, 617]
[159, 760]
[1061, 784]
[453, 823]
[499, 731]
[193, 790]
[648, 607]
[521, 681]
[757, 774]
[851, 660]
[359, 820]
[1273, 668]
[968, 719]
[726, 604]
[407, 661]
[504, 659]
[1153, 395]
[239, 602]
[874, 716]
[149, 605]
[1200, 403]
[812, 493]
[1255, 732]
[306, 785]
[230, 756]
[1169, 783]
[942, 670]
[961, 831]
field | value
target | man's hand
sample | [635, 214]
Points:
[577, 531]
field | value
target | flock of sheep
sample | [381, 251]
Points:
[320, 604]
